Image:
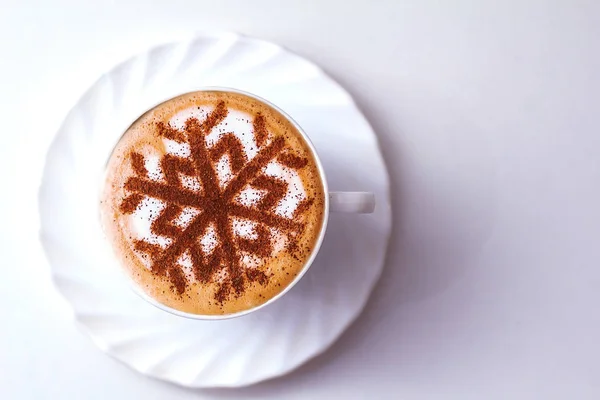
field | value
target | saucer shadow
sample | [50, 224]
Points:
[443, 214]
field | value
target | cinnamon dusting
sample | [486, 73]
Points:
[217, 206]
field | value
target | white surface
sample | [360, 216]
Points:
[488, 116]
[268, 342]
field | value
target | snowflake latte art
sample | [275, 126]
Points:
[213, 202]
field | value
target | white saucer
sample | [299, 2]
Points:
[240, 351]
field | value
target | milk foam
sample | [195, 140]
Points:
[291, 243]
[240, 124]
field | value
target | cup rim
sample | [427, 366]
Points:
[318, 242]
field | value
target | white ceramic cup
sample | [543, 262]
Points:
[344, 202]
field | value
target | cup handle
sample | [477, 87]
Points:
[352, 202]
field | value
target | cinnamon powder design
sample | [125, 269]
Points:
[216, 205]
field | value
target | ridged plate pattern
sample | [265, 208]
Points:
[240, 351]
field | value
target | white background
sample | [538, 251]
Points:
[488, 113]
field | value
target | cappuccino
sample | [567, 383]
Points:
[213, 202]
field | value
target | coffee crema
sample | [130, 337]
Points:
[213, 202]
